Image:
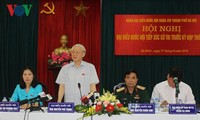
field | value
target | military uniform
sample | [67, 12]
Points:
[139, 95]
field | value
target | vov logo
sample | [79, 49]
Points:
[19, 10]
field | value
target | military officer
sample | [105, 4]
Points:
[131, 92]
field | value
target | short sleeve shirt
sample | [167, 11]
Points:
[70, 76]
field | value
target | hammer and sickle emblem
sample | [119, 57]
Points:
[51, 10]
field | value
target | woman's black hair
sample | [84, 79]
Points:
[34, 83]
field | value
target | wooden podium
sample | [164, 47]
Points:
[55, 70]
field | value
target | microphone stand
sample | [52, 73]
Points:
[35, 108]
[92, 117]
[177, 92]
[177, 88]
[25, 111]
[88, 105]
[79, 87]
[176, 95]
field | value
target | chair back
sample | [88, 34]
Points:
[122, 84]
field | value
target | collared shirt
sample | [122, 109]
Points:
[164, 92]
[70, 75]
[21, 94]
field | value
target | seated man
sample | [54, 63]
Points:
[166, 90]
[132, 93]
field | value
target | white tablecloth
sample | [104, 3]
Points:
[37, 115]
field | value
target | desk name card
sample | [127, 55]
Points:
[182, 109]
[9, 107]
[63, 107]
[140, 108]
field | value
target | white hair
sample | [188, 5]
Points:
[79, 45]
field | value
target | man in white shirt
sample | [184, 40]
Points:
[77, 72]
[166, 90]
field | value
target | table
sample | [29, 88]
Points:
[37, 115]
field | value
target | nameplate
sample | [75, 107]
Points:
[140, 108]
[182, 109]
[63, 107]
[9, 107]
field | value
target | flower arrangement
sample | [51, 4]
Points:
[105, 104]
[59, 60]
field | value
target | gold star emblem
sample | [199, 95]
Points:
[81, 9]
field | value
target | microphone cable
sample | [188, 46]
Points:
[25, 111]
[28, 115]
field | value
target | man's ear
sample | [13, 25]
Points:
[167, 76]
[83, 54]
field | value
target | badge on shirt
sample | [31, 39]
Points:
[137, 97]
[83, 74]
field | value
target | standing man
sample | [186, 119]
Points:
[77, 72]
[166, 90]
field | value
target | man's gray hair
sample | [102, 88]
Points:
[79, 45]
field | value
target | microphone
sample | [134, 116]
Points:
[25, 101]
[79, 87]
[177, 88]
[41, 97]
[22, 102]
[96, 95]
[48, 97]
[175, 79]
[176, 84]
[34, 99]
[85, 99]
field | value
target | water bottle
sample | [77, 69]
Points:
[152, 101]
[157, 104]
[4, 99]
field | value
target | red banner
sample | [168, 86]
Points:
[157, 34]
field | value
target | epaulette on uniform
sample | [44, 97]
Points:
[140, 87]
[120, 89]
